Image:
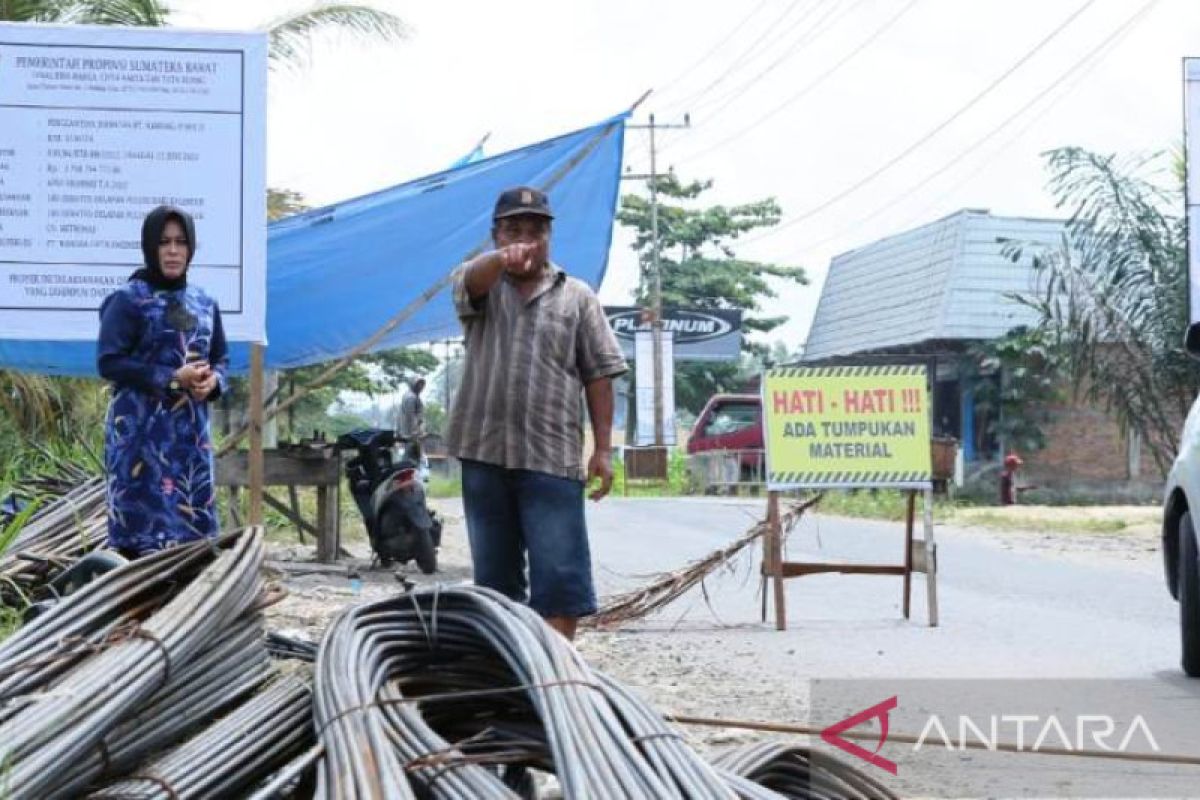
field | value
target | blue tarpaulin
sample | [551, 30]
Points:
[335, 275]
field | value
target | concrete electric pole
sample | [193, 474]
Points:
[656, 309]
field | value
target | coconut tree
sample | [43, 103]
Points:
[86, 12]
[291, 35]
[1114, 299]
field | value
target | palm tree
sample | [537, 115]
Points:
[290, 35]
[145, 13]
[1114, 295]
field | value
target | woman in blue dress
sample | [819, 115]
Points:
[163, 349]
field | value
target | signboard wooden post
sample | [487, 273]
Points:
[842, 427]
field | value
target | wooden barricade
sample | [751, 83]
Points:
[919, 555]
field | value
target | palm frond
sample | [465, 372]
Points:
[139, 13]
[1114, 293]
[291, 37]
[142, 13]
[21, 10]
[30, 401]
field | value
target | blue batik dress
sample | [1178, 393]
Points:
[157, 451]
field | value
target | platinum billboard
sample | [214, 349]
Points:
[699, 334]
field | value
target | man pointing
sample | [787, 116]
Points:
[537, 342]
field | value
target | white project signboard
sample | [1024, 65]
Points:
[98, 125]
[1191, 103]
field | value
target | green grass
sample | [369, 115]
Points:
[994, 520]
[889, 504]
[677, 482]
[441, 487]
[10, 620]
[8, 533]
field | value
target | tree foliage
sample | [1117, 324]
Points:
[144, 13]
[1016, 380]
[374, 374]
[701, 269]
[284, 203]
[1113, 294]
[289, 37]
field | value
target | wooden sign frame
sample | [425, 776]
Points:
[920, 555]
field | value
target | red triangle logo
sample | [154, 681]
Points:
[832, 734]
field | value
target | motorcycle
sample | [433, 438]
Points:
[388, 488]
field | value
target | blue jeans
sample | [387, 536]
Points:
[516, 514]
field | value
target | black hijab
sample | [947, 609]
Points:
[152, 229]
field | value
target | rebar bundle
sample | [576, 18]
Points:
[231, 754]
[212, 684]
[155, 681]
[96, 659]
[800, 773]
[429, 689]
[84, 622]
[58, 533]
[281, 646]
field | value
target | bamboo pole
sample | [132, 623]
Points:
[905, 738]
[255, 461]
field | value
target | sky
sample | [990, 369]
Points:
[862, 118]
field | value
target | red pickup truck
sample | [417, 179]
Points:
[731, 422]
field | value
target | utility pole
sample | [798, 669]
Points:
[656, 309]
[446, 401]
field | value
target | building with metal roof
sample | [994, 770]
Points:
[939, 290]
[946, 281]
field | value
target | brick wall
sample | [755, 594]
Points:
[1083, 443]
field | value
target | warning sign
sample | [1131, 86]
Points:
[830, 427]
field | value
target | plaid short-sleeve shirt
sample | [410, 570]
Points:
[520, 404]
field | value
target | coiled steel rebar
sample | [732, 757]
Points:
[425, 694]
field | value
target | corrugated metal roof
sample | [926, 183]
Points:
[945, 280]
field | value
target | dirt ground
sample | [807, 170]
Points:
[1095, 534]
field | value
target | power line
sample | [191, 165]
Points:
[771, 28]
[708, 54]
[1081, 66]
[741, 60]
[1096, 55]
[665, 89]
[907, 151]
[792, 49]
[810, 86]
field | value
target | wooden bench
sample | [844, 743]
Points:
[294, 467]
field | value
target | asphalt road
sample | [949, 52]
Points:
[1003, 612]
[1019, 632]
